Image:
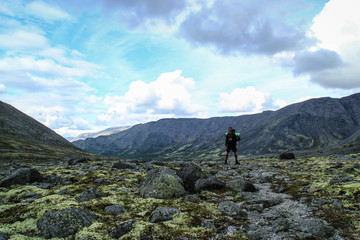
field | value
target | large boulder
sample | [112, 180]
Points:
[241, 185]
[287, 156]
[190, 173]
[209, 183]
[22, 176]
[162, 183]
[64, 223]
[163, 214]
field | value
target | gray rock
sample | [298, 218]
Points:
[88, 195]
[241, 185]
[208, 224]
[209, 183]
[64, 223]
[341, 179]
[22, 176]
[287, 156]
[123, 229]
[190, 173]
[163, 214]
[191, 198]
[115, 209]
[162, 183]
[75, 161]
[124, 165]
[102, 181]
[229, 208]
[4, 236]
[314, 227]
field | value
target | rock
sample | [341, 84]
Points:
[115, 209]
[124, 165]
[123, 229]
[102, 181]
[350, 170]
[337, 165]
[314, 227]
[241, 185]
[163, 214]
[229, 208]
[64, 192]
[64, 223]
[88, 195]
[341, 179]
[287, 156]
[22, 176]
[208, 224]
[190, 173]
[209, 183]
[4, 236]
[162, 183]
[191, 198]
[75, 161]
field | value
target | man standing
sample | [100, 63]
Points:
[230, 144]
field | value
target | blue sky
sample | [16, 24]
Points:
[82, 66]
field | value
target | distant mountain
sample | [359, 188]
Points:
[22, 137]
[316, 124]
[105, 132]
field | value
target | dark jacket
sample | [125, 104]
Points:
[230, 139]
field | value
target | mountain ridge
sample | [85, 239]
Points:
[315, 124]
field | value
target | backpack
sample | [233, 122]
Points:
[236, 134]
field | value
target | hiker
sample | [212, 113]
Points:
[230, 143]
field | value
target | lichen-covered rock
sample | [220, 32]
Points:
[241, 185]
[123, 229]
[88, 195]
[191, 198]
[64, 223]
[162, 183]
[163, 214]
[190, 173]
[115, 209]
[229, 208]
[314, 228]
[21, 176]
[209, 183]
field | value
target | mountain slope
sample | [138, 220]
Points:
[105, 132]
[22, 137]
[315, 124]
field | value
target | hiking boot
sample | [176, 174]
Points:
[225, 162]
[237, 163]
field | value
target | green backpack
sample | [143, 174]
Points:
[236, 134]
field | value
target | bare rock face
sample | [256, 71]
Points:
[64, 223]
[162, 183]
[22, 176]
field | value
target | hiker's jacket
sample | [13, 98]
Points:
[231, 139]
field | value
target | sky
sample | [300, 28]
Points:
[86, 65]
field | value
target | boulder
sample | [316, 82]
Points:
[22, 176]
[124, 165]
[209, 183]
[190, 173]
[88, 195]
[64, 223]
[162, 183]
[115, 209]
[229, 208]
[314, 228]
[191, 198]
[241, 185]
[287, 156]
[75, 161]
[163, 214]
[123, 229]
[341, 179]
[4, 236]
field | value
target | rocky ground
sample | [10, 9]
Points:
[262, 198]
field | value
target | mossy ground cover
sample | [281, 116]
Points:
[309, 179]
[312, 181]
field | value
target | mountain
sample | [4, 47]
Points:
[105, 132]
[22, 137]
[317, 125]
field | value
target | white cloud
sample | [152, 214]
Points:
[46, 11]
[168, 96]
[2, 88]
[21, 40]
[245, 100]
[337, 27]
